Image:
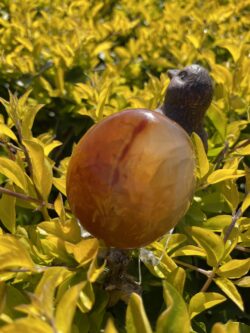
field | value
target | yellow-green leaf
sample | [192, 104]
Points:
[68, 231]
[8, 211]
[189, 250]
[234, 268]
[177, 279]
[103, 47]
[28, 120]
[27, 325]
[84, 251]
[60, 184]
[136, 318]
[66, 307]
[25, 42]
[45, 289]
[219, 328]
[232, 47]
[224, 174]
[14, 172]
[210, 242]
[230, 290]
[5, 130]
[202, 164]
[230, 192]
[95, 270]
[86, 297]
[42, 170]
[203, 301]
[110, 327]
[246, 203]
[13, 253]
[51, 146]
[2, 296]
[218, 223]
[175, 318]
[218, 119]
[243, 282]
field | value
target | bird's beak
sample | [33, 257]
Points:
[172, 73]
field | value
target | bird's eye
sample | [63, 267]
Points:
[182, 74]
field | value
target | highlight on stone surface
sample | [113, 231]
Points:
[131, 178]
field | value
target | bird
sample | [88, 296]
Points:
[187, 98]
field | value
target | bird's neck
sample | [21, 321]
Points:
[189, 119]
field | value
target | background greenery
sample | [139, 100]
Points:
[76, 62]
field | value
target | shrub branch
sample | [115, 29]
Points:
[25, 197]
[235, 218]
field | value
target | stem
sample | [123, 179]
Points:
[235, 218]
[211, 276]
[243, 249]
[221, 155]
[194, 268]
[26, 197]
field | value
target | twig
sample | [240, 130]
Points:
[211, 276]
[221, 155]
[26, 197]
[194, 268]
[242, 248]
[235, 218]
[242, 145]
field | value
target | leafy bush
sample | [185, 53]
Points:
[68, 64]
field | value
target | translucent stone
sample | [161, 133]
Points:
[131, 178]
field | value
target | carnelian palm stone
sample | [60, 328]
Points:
[131, 178]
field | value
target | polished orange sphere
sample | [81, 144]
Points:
[131, 178]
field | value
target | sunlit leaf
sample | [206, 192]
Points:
[136, 318]
[218, 119]
[13, 254]
[177, 279]
[234, 268]
[66, 307]
[246, 203]
[13, 171]
[41, 168]
[234, 49]
[28, 119]
[210, 242]
[243, 282]
[68, 231]
[8, 216]
[218, 223]
[27, 325]
[84, 251]
[110, 327]
[231, 194]
[95, 270]
[46, 288]
[224, 174]
[219, 328]
[86, 298]
[2, 296]
[6, 131]
[169, 320]
[51, 146]
[203, 301]
[230, 290]
[60, 184]
[189, 250]
[202, 164]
